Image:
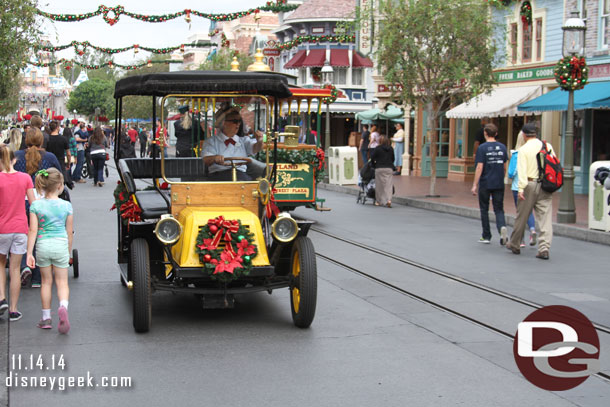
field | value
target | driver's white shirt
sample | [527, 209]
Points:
[243, 147]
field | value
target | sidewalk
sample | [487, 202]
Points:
[456, 198]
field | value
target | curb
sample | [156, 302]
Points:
[573, 232]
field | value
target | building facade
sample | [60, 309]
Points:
[303, 56]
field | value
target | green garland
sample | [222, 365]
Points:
[571, 73]
[313, 157]
[80, 46]
[315, 39]
[111, 15]
[226, 249]
[69, 63]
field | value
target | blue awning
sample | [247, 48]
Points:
[595, 95]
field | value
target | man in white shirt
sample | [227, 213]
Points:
[228, 144]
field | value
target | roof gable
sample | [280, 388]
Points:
[319, 9]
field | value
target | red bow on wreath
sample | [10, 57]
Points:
[577, 65]
[220, 225]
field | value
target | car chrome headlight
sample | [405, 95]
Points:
[168, 229]
[284, 228]
[264, 189]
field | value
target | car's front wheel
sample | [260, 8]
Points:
[304, 282]
[142, 302]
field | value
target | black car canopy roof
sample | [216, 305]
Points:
[187, 82]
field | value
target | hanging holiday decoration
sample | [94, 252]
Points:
[571, 73]
[81, 46]
[127, 207]
[69, 63]
[226, 249]
[111, 15]
[316, 39]
[526, 13]
[334, 93]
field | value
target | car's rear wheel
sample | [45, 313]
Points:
[142, 303]
[304, 282]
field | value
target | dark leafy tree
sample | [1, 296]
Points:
[439, 51]
[18, 34]
[92, 94]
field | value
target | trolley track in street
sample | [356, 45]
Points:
[436, 304]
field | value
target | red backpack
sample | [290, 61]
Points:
[549, 170]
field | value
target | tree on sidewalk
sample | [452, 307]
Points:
[18, 35]
[439, 51]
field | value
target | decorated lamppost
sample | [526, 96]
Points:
[327, 78]
[571, 74]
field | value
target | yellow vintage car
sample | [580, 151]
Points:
[179, 231]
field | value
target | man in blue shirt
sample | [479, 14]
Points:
[490, 161]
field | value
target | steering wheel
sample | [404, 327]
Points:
[231, 161]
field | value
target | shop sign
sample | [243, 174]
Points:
[382, 88]
[599, 71]
[530, 74]
[295, 182]
[271, 52]
[365, 34]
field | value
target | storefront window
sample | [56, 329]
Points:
[340, 76]
[601, 132]
[526, 54]
[459, 138]
[357, 76]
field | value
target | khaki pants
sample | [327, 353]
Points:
[542, 204]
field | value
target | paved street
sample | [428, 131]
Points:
[369, 345]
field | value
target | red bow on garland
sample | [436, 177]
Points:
[131, 211]
[320, 156]
[577, 65]
[271, 208]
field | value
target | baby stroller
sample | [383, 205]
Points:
[366, 182]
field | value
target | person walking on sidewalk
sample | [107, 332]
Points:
[490, 161]
[81, 137]
[51, 231]
[513, 174]
[364, 143]
[532, 196]
[14, 187]
[382, 158]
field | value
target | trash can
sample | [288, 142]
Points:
[330, 159]
[599, 218]
[343, 165]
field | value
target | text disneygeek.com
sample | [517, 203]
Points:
[23, 370]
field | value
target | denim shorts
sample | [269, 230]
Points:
[53, 252]
[16, 243]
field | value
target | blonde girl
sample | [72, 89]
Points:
[14, 187]
[51, 231]
[14, 139]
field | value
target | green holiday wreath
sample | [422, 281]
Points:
[226, 249]
[526, 13]
[571, 73]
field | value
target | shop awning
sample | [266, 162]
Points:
[339, 57]
[391, 113]
[297, 60]
[358, 61]
[500, 102]
[594, 95]
[316, 57]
